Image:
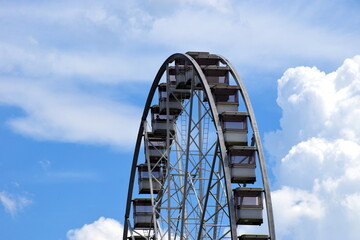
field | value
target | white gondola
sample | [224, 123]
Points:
[226, 98]
[235, 128]
[144, 175]
[253, 237]
[172, 76]
[161, 123]
[172, 99]
[190, 75]
[155, 146]
[249, 206]
[184, 74]
[242, 164]
[180, 73]
[217, 75]
[143, 213]
[205, 59]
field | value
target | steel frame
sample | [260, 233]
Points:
[220, 149]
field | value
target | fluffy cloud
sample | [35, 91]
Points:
[318, 161]
[319, 151]
[101, 229]
[316, 104]
[299, 207]
[13, 203]
[63, 115]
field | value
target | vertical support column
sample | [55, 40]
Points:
[201, 191]
[183, 204]
[208, 192]
[167, 151]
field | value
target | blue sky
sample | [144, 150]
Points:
[74, 77]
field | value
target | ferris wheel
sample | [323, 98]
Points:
[198, 168]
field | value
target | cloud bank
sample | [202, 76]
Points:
[114, 43]
[317, 153]
[107, 41]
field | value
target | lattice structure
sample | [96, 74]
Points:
[196, 156]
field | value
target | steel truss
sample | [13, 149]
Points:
[196, 196]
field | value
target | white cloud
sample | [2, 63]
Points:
[326, 175]
[319, 150]
[218, 5]
[45, 164]
[352, 202]
[251, 33]
[101, 229]
[109, 41]
[295, 208]
[319, 161]
[86, 66]
[316, 104]
[59, 115]
[13, 203]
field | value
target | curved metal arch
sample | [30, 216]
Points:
[215, 117]
[221, 141]
[254, 126]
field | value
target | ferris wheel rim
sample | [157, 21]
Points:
[220, 138]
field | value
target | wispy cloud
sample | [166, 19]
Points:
[110, 41]
[105, 68]
[13, 203]
[55, 115]
[52, 175]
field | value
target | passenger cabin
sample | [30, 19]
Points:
[161, 123]
[184, 74]
[172, 76]
[235, 128]
[181, 66]
[242, 164]
[192, 75]
[155, 147]
[248, 205]
[205, 58]
[144, 177]
[143, 213]
[226, 98]
[253, 237]
[217, 75]
[172, 98]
